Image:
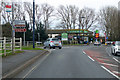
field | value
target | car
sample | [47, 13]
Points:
[97, 43]
[53, 43]
[108, 42]
[115, 48]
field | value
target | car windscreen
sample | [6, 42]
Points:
[55, 39]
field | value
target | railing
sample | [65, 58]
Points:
[6, 45]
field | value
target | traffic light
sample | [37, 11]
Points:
[97, 35]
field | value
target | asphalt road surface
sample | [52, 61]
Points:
[69, 62]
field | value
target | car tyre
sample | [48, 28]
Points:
[50, 46]
[44, 47]
[53, 47]
[60, 47]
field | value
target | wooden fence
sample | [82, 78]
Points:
[6, 45]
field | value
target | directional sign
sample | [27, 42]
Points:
[20, 30]
[19, 23]
[8, 8]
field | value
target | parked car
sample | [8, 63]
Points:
[97, 43]
[52, 43]
[115, 48]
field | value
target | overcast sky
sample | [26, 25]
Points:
[95, 4]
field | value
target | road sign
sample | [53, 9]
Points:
[8, 8]
[64, 36]
[20, 30]
[106, 37]
[19, 23]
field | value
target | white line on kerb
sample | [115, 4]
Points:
[116, 60]
[110, 72]
[91, 58]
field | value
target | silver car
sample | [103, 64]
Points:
[115, 48]
[52, 43]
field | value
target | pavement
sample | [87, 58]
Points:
[11, 65]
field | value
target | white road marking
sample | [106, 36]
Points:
[91, 58]
[109, 64]
[116, 60]
[83, 52]
[110, 72]
[36, 66]
[116, 72]
[107, 51]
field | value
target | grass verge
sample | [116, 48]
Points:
[16, 52]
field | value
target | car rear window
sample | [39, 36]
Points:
[55, 39]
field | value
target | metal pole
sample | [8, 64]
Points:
[33, 23]
[24, 38]
[79, 34]
[13, 32]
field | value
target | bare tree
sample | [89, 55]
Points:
[47, 11]
[108, 18]
[90, 18]
[68, 15]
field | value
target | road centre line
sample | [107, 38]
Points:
[116, 60]
[110, 72]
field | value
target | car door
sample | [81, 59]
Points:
[47, 42]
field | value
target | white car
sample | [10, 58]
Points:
[115, 48]
[52, 43]
[97, 43]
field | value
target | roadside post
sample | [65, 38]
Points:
[10, 8]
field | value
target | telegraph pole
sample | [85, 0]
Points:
[33, 23]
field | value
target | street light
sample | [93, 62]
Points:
[33, 23]
[79, 28]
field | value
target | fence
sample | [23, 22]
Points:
[6, 45]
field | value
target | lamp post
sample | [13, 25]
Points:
[79, 29]
[33, 23]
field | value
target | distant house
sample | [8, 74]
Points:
[6, 30]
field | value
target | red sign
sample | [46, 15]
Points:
[20, 30]
[8, 6]
[20, 26]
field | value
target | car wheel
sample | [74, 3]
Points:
[115, 53]
[50, 46]
[60, 47]
[44, 47]
[53, 47]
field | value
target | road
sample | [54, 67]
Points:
[71, 62]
